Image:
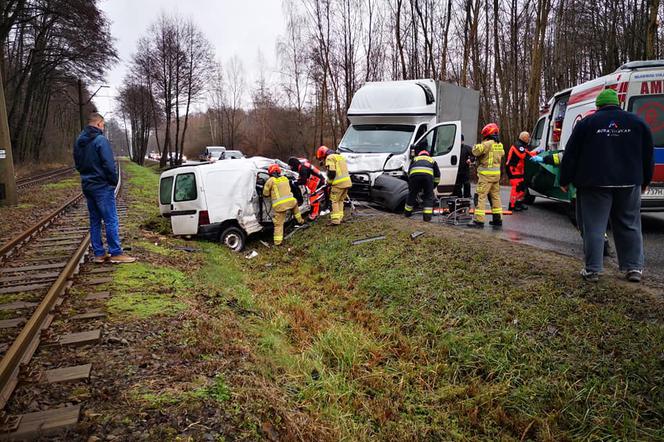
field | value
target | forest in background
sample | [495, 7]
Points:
[178, 97]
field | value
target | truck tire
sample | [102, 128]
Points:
[529, 198]
[234, 238]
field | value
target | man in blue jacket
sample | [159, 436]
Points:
[610, 159]
[94, 161]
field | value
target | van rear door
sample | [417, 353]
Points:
[187, 201]
[443, 141]
[165, 194]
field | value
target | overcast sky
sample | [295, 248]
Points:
[241, 27]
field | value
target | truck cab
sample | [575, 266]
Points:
[389, 119]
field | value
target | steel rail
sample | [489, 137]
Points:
[24, 346]
[28, 181]
[7, 248]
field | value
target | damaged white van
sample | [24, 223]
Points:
[389, 119]
[219, 201]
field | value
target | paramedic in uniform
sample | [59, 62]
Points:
[339, 179]
[278, 189]
[423, 176]
[489, 154]
[311, 177]
[516, 163]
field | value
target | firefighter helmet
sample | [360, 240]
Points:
[424, 152]
[490, 129]
[323, 152]
[274, 169]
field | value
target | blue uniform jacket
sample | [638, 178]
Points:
[94, 160]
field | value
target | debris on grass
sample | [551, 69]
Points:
[365, 240]
[416, 234]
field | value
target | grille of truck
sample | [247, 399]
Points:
[361, 186]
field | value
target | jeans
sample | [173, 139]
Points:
[622, 206]
[101, 206]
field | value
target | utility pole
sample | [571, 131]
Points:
[8, 195]
[82, 103]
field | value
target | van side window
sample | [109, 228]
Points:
[444, 140]
[185, 187]
[651, 109]
[165, 190]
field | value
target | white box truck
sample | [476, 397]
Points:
[392, 120]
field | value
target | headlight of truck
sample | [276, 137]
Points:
[395, 163]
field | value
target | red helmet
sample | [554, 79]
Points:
[490, 129]
[424, 152]
[323, 152]
[274, 169]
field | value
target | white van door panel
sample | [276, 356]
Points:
[443, 141]
[185, 204]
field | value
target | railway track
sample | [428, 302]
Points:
[36, 270]
[35, 179]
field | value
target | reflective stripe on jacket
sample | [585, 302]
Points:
[489, 155]
[424, 164]
[337, 163]
[278, 189]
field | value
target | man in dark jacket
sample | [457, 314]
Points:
[94, 161]
[610, 159]
[462, 185]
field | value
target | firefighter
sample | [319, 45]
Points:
[489, 154]
[339, 180]
[423, 176]
[278, 189]
[516, 160]
[311, 177]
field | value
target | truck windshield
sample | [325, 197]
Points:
[651, 109]
[376, 138]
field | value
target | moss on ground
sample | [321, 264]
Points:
[143, 290]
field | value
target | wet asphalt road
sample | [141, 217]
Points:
[546, 225]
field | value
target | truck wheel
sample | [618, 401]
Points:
[233, 238]
[529, 198]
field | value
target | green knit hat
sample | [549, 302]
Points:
[608, 97]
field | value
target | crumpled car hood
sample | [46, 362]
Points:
[366, 162]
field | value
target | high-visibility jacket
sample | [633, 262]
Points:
[307, 170]
[489, 156]
[516, 159]
[337, 164]
[425, 165]
[279, 190]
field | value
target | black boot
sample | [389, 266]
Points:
[511, 208]
[497, 220]
[427, 217]
[475, 225]
[520, 206]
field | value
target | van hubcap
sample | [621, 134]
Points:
[232, 241]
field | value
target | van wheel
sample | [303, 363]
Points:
[233, 238]
[529, 198]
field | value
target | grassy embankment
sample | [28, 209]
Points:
[453, 336]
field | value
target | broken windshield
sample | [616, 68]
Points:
[377, 138]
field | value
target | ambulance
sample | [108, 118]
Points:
[640, 88]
